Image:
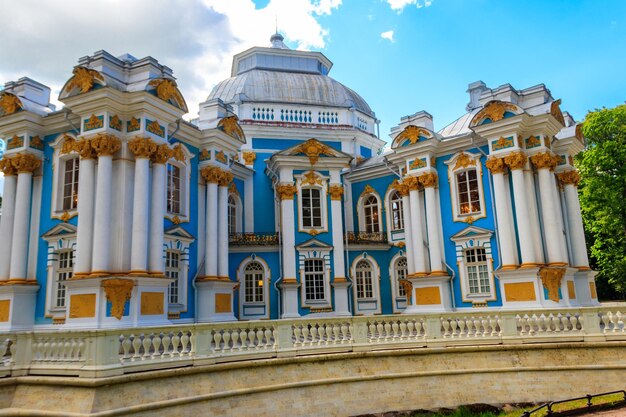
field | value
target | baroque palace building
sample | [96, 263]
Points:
[278, 201]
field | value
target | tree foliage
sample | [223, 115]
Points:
[602, 188]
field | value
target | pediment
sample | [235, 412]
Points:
[177, 232]
[60, 230]
[314, 244]
[314, 150]
[410, 135]
[471, 232]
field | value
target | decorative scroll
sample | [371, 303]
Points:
[9, 103]
[115, 122]
[162, 154]
[25, 163]
[106, 145]
[211, 174]
[569, 177]
[118, 291]
[555, 111]
[532, 142]
[133, 125]
[412, 183]
[167, 91]
[412, 134]
[502, 143]
[418, 163]
[225, 178]
[15, 142]
[311, 178]
[155, 128]
[6, 166]
[463, 161]
[221, 157]
[230, 126]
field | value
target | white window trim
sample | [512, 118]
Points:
[392, 235]
[180, 244]
[361, 210]
[474, 238]
[185, 183]
[58, 174]
[375, 286]
[56, 243]
[320, 184]
[396, 298]
[238, 212]
[241, 270]
[474, 163]
[315, 253]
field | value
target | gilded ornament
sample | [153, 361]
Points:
[225, 178]
[335, 191]
[401, 187]
[232, 189]
[311, 178]
[25, 163]
[178, 153]
[569, 177]
[142, 147]
[221, 157]
[412, 183]
[166, 89]
[65, 217]
[162, 154]
[155, 128]
[493, 111]
[367, 190]
[133, 124]
[313, 149]
[546, 141]
[230, 126]
[570, 160]
[84, 79]
[69, 145]
[579, 132]
[118, 291]
[495, 165]
[84, 149]
[555, 111]
[533, 141]
[286, 191]
[9, 103]
[433, 161]
[205, 155]
[469, 219]
[408, 289]
[463, 161]
[417, 164]
[105, 145]
[15, 142]
[176, 220]
[6, 166]
[211, 174]
[516, 160]
[312, 232]
[544, 160]
[94, 122]
[248, 157]
[502, 143]
[412, 134]
[428, 179]
[400, 244]
[551, 280]
[115, 122]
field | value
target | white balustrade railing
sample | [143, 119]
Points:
[109, 352]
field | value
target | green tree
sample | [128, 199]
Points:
[602, 188]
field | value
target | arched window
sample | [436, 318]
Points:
[232, 215]
[370, 212]
[173, 189]
[364, 284]
[254, 276]
[70, 183]
[468, 193]
[400, 271]
[397, 215]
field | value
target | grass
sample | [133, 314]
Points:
[571, 405]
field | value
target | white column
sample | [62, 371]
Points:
[19, 252]
[555, 251]
[529, 179]
[336, 191]
[248, 205]
[506, 232]
[517, 162]
[211, 249]
[408, 235]
[287, 232]
[8, 218]
[429, 181]
[574, 220]
[102, 217]
[222, 230]
[417, 239]
[157, 212]
[141, 199]
[84, 233]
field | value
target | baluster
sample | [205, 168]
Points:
[297, 332]
[485, 323]
[381, 334]
[615, 321]
[235, 339]
[410, 327]
[126, 344]
[175, 344]
[372, 335]
[620, 322]
[454, 325]
[388, 335]
[446, 327]
[185, 340]
[270, 335]
[419, 327]
[314, 334]
[476, 326]
[493, 323]
[156, 345]
[344, 333]
[136, 341]
[217, 338]
[395, 328]
[226, 336]
[329, 333]
[337, 333]
[306, 331]
[146, 345]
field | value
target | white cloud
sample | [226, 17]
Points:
[196, 38]
[387, 35]
[399, 5]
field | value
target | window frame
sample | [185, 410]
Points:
[474, 237]
[177, 239]
[366, 306]
[185, 185]
[258, 309]
[458, 164]
[313, 180]
[68, 272]
[475, 264]
[169, 168]
[368, 193]
[57, 209]
[61, 237]
[178, 275]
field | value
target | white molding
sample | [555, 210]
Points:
[267, 274]
[358, 309]
[323, 187]
[472, 238]
[315, 252]
[454, 191]
[361, 210]
[396, 299]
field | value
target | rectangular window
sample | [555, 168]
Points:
[64, 272]
[477, 271]
[311, 208]
[173, 189]
[70, 184]
[314, 279]
[469, 197]
[172, 270]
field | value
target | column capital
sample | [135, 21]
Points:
[84, 149]
[248, 157]
[544, 160]
[225, 178]
[6, 166]
[495, 165]
[335, 191]
[25, 163]
[569, 177]
[400, 187]
[516, 160]
[162, 154]
[286, 191]
[412, 183]
[106, 144]
[428, 179]
[211, 174]
[142, 147]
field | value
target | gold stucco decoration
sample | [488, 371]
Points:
[105, 144]
[428, 179]
[118, 291]
[221, 157]
[84, 79]
[412, 183]
[551, 280]
[115, 122]
[335, 191]
[544, 160]
[142, 147]
[569, 177]
[232, 189]
[15, 142]
[9, 103]
[463, 161]
[6, 166]
[225, 178]
[84, 149]
[230, 126]
[401, 187]
[286, 191]
[412, 134]
[533, 141]
[311, 178]
[155, 128]
[25, 163]
[495, 165]
[493, 111]
[162, 154]
[555, 111]
[248, 157]
[134, 124]
[313, 149]
[367, 190]
[205, 155]
[167, 90]
[516, 160]
[417, 164]
[178, 153]
[211, 174]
